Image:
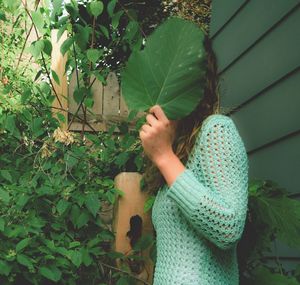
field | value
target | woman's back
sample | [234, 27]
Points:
[200, 217]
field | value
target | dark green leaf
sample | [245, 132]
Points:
[92, 203]
[47, 47]
[5, 268]
[144, 242]
[66, 45]
[6, 175]
[62, 206]
[24, 260]
[22, 201]
[94, 54]
[111, 7]
[50, 272]
[36, 48]
[82, 36]
[2, 224]
[104, 30]
[116, 19]
[82, 220]
[38, 20]
[96, 8]
[55, 77]
[75, 257]
[4, 196]
[22, 244]
[169, 71]
[149, 203]
[2, 16]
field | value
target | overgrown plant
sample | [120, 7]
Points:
[272, 215]
[55, 185]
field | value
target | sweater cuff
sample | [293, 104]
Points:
[186, 190]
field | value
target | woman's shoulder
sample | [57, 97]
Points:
[217, 121]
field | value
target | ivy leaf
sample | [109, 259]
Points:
[122, 158]
[82, 36]
[36, 48]
[116, 19]
[72, 9]
[22, 201]
[38, 20]
[92, 203]
[104, 30]
[66, 45]
[70, 159]
[2, 224]
[55, 76]
[57, 7]
[2, 16]
[144, 242]
[6, 175]
[123, 281]
[96, 8]
[4, 196]
[62, 206]
[82, 220]
[89, 102]
[76, 257]
[93, 54]
[263, 276]
[149, 203]
[22, 244]
[111, 7]
[25, 260]
[50, 272]
[86, 257]
[169, 71]
[5, 268]
[47, 47]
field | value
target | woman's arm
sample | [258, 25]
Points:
[217, 209]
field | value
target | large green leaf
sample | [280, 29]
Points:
[170, 71]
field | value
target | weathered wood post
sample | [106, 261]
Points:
[58, 64]
[129, 216]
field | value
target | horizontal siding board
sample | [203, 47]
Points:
[272, 115]
[221, 12]
[241, 32]
[288, 265]
[283, 250]
[273, 57]
[279, 162]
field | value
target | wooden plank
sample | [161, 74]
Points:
[97, 91]
[124, 112]
[221, 12]
[111, 96]
[272, 115]
[279, 162]
[242, 31]
[58, 63]
[72, 87]
[272, 58]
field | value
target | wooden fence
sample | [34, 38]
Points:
[109, 106]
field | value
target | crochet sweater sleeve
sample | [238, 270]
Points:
[216, 208]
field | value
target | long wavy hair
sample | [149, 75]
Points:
[189, 126]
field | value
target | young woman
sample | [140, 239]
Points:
[198, 168]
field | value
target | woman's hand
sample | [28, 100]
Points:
[157, 135]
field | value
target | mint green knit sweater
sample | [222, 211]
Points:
[200, 218]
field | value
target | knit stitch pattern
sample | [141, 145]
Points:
[200, 218]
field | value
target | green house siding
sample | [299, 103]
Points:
[257, 46]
